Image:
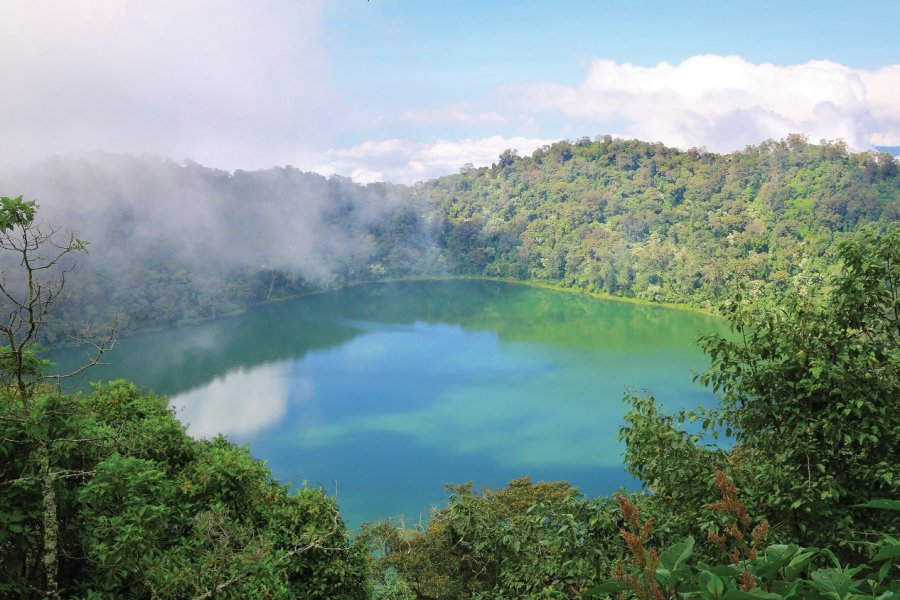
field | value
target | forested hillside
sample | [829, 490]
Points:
[173, 242]
[646, 221]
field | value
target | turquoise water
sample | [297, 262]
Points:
[384, 393]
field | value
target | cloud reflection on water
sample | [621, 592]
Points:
[242, 402]
[516, 405]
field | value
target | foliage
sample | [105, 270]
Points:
[105, 495]
[810, 388]
[673, 464]
[528, 540]
[32, 284]
[642, 220]
[810, 409]
[810, 385]
[747, 568]
[146, 511]
[33, 269]
[811, 391]
[615, 216]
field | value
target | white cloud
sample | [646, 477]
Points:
[230, 83]
[407, 161]
[726, 102]
[241, 84]
[886, 139]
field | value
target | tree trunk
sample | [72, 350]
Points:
[51, 526]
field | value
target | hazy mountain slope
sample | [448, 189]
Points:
[181, 241]
[172, 242]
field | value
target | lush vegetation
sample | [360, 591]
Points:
[811, 399]
[143, 510]
[620, 217]
[642, 220]
[104, 495]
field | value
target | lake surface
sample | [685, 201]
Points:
[386, 392]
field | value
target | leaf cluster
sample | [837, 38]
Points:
[526, 540]
[145, 511]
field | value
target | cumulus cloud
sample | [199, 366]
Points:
[726, 102]
[230, 83]
[407, 161]
[236, 84]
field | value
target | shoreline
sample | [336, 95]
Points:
[546, 285]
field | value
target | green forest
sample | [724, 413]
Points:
[104, 495]
[615, 217]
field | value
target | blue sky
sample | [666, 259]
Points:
[408, 89]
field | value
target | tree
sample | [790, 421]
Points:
[810, 388]
[145, 511]
[28, 295]
[528, 540]
[507, 158]
[105, 495]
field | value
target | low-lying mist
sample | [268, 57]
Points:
[172, 241]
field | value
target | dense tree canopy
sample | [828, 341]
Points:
[145, 511]
[642, 220]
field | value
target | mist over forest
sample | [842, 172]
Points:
[172, 241]
[209, 219]
[179, 241]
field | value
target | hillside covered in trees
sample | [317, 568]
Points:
[104, 494]
[641, 220]
[177, 242]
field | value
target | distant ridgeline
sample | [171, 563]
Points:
[642, 220]
[172, 242]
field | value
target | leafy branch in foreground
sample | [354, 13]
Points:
[28, 296]
[811, 390]
[749, 570]
[810, 396]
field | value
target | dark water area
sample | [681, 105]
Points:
[384, 393]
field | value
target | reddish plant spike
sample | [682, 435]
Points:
[760, 532]
[628, 510]
[748, 580]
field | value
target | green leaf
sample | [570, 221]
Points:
[711, 584]
[605, 588]
[887, 552]
[798, 563]
[754, 594]
[834, 583]
[676, 554]
[880, 503]
[725, 571]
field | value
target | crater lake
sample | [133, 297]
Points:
[384, 393]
